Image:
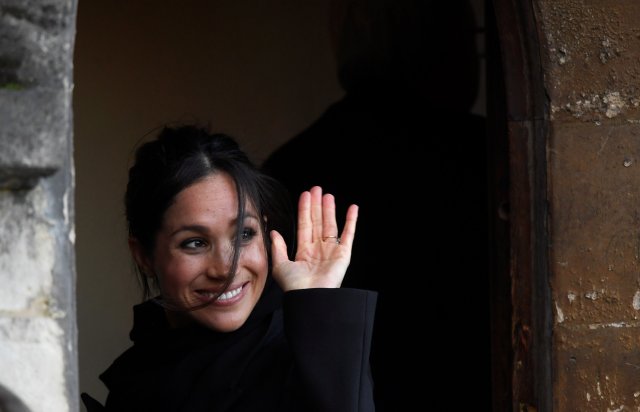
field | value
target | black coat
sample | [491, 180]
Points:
[306, 350]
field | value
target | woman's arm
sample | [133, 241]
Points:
[329, 333]
[327, 328]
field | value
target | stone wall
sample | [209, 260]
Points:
[38, 354]
[591, 55]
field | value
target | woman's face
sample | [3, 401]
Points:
[193, 253]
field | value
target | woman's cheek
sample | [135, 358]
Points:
[178, 273]
[256, 259]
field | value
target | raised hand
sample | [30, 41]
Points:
[323, 253]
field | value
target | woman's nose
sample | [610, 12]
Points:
[219, 262]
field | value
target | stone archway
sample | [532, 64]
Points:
[569, 268]
[37, 261]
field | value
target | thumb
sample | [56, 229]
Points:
[278, 248]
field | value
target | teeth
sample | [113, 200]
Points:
[230, 294]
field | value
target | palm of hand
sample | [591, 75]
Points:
[322, 257]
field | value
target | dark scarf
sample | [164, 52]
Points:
[186, 368]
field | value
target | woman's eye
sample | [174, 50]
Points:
[193, 244]
[248, 234]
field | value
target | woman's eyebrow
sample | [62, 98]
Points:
[251, 216]
[204, 229]
[190, 228]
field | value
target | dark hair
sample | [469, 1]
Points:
[181, 156]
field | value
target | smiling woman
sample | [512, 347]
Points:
[193, 255]
[229, 322]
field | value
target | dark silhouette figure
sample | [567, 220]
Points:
[403, 145]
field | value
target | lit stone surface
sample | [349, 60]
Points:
[33, 362]
[38, 359]
[26, 251]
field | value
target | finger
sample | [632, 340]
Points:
[316, 213]
[305, 226]
[349, 231]
[329, 225]
[278, 248]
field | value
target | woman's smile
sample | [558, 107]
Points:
[230, 297]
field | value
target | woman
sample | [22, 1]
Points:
[234, 325]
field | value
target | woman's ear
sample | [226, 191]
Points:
[140, 257]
